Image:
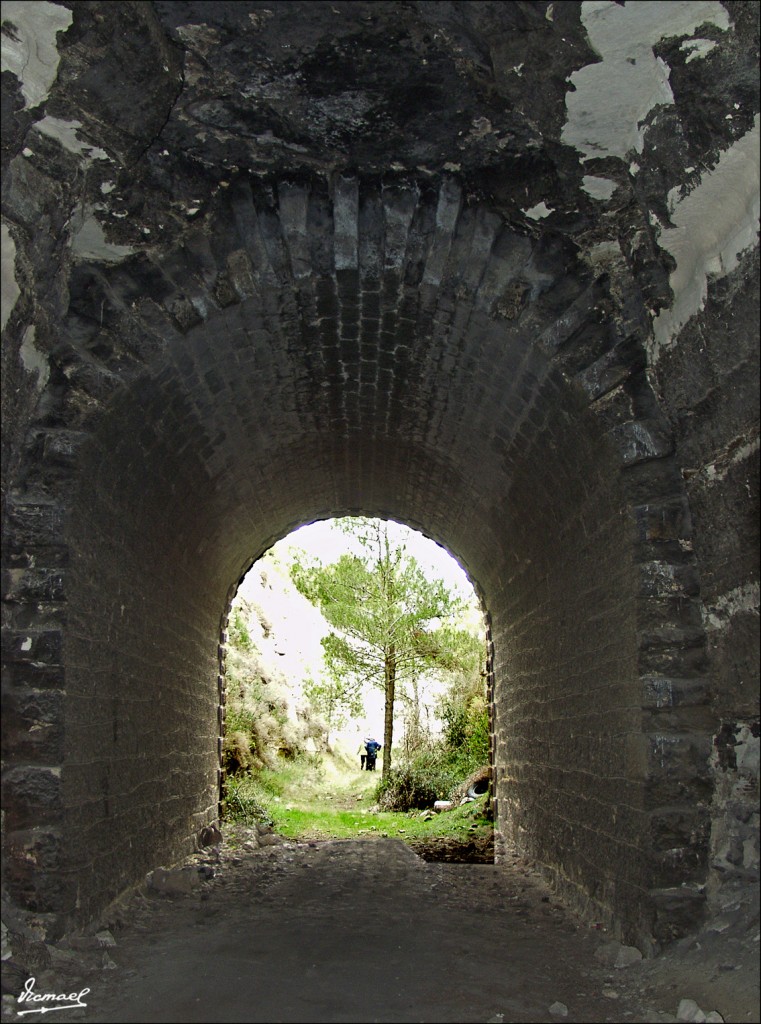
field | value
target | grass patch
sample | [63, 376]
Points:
[319, 799]
[459, 823]
[315, 823]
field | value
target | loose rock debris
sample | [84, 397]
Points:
[263, 929]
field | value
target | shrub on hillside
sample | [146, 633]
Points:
[265, 722]
[417, 783]
[466, 729]
[237, 755]
[241, 800]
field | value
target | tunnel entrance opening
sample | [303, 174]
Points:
[315, 629]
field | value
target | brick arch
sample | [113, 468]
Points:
[384, 348]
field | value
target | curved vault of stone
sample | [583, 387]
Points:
[409, 355]
[214, 362]
[310, 352]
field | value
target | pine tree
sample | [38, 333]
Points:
[389, 620]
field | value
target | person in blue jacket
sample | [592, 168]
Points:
[372, 747]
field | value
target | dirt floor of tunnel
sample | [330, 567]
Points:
[360, 931]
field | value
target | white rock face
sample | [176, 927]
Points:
[10, 288]
[29, 46]
[607, 115]
[613, 98]
[66, 132]
[713, 225]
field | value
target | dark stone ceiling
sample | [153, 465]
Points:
[184, 97]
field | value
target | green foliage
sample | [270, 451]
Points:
[237, 752]
[239, 718]
[302, 774]
[377, 603]
[262, 725]
[435, 770]
[417, 782]
[238, 632]
[312, 822]
[239, 746]
[325, 797]
[465, 714]
[335, 699]
[390, 625]
[242, 803]
[252, 796]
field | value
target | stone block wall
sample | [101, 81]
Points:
[708, 380]
[568, 710]
[140, 776]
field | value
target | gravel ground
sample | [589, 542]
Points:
[368, 931]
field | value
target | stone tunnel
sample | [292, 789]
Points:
[488, 269]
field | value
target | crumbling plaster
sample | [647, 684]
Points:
[29, 45]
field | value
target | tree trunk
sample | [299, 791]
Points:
[389, 671]
[416, 729]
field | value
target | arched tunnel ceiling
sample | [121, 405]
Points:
[346, 237]
[382, 350]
